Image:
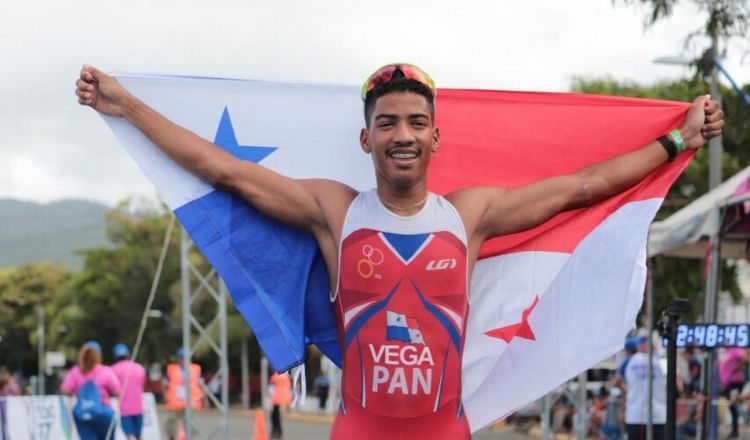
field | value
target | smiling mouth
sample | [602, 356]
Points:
[403, 154]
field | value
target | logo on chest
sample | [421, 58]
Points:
[372, 257]
[443, 264]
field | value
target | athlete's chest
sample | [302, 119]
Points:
[401, 308]
[380, 263]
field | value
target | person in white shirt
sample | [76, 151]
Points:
[636, 403]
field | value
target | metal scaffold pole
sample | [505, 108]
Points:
[197, 331]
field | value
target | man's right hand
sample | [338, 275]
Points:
[316, 205]
[100, 91]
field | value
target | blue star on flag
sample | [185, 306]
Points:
[226, 139]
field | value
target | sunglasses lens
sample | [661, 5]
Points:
[382, 76]
[385, 74]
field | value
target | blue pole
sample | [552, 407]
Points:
[721, 68]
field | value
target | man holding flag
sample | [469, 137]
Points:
[400, 256]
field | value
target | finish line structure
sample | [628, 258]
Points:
[195, 285]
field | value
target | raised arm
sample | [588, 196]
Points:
[296, 202]
[493, 211]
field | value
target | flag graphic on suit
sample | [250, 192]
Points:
[400, 327]
[566, 292]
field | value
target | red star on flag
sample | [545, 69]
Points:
[521, 329]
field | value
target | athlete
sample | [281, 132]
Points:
[401, 318]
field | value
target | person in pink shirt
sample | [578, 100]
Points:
[732, 363]
[90, 368]
[132, 377]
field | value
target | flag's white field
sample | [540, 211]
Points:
[582, 315]
[578, 306]
[315, 126]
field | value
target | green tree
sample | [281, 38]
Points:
[24, 291]
[675, 277]
[107, 297]
[111, 291]
[694, 181]
[725, 19]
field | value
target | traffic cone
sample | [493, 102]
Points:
[181, 432]
[260, 426]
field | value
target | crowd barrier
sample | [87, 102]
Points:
[50, 418]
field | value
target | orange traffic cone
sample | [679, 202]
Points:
[181, 432]
[260, 426]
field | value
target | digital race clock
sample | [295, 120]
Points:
[713, 335]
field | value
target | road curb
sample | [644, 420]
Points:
[250, 413]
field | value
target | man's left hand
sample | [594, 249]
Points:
[704, 121]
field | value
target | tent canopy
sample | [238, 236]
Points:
[686, 233]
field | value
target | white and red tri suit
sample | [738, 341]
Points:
[401, 307]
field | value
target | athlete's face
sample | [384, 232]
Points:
[401, 139]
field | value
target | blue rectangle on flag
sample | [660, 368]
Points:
[398, 333]
[272, 289]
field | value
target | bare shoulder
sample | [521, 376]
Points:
[473, 202]
[474, 199]
[333, 197]
[330, 191]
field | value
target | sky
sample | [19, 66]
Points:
[52, 148]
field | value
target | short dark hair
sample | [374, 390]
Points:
[399, 84]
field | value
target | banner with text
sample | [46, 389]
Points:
[50, 418]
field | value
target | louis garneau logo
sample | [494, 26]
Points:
[442, 264]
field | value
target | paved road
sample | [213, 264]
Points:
[298, 427]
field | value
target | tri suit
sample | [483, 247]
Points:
[401, 305]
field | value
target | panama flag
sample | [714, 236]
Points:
[545, 304]
[400, 327]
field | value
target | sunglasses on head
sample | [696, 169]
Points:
[386, 73]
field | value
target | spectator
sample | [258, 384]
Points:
[9, 384]
[214, 385]
[90, 368]
[693, 385]
[631, 346]
[689, 412]
[689, 407]
[132, 377]
[174, 397]
[280, 389]
[322, 383]
[684, 362]
[595, 404]
[611, 425]
[732, 363]
[636, 405]
[4, 379]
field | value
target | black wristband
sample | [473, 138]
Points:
[668, 145]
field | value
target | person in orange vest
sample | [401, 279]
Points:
[174, 396]
[280, 389]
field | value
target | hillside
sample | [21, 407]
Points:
[35, 232]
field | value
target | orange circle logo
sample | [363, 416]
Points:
[365, 268]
